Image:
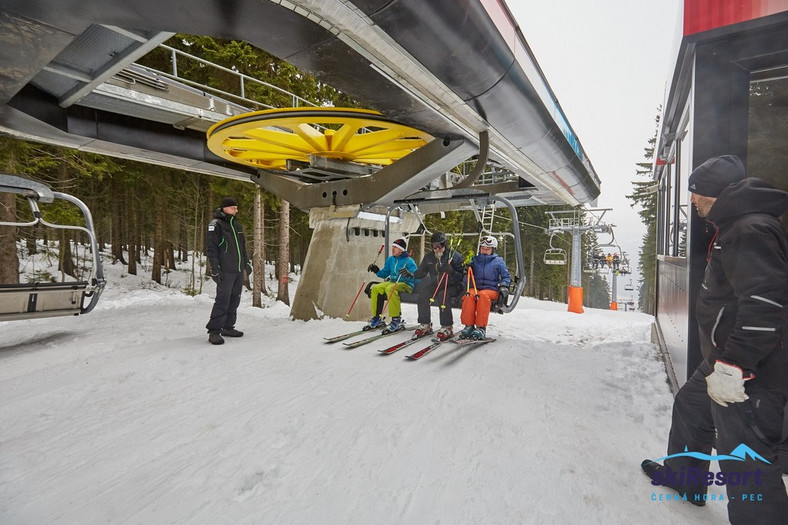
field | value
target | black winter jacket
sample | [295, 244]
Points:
[742, 306]
[225, 244]
[454, 267]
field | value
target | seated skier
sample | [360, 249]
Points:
[398, 273]
[489, 279]
[440, 277]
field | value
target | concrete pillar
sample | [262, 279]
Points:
[344, 242]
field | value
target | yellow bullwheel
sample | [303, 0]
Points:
[269, 139]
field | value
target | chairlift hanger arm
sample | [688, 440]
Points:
[26, 187]
[481, 161]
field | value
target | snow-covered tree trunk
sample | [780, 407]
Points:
[258, 247]
[283, 261]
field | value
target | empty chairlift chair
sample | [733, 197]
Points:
[48, 299]
[553, 255]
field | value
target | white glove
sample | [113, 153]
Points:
[726, 384]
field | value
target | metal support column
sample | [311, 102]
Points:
[614, 294]
[573, 221]
[576, 275]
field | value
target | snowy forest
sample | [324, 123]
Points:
[148, 217]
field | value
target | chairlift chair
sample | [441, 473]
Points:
[553, 255]
[462, 199]
[47, 299]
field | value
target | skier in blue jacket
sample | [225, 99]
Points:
[490, 280]
[398, 273]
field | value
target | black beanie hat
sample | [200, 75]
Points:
[401, 244]
[716, 174]
[228, 201]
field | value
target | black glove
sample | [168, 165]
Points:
[405, 273]
[441, 267]
[248, 268]
[217, 276]
[503, 295]
[373, 268]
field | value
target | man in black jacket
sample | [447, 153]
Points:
[440, 271]
[740, 389]
[226, 249]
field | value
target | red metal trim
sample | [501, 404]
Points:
[703, 15]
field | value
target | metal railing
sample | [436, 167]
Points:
[243, 81]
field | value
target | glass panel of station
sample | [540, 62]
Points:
[767, 146]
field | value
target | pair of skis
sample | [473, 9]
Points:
[386, 332]
[404, 344]
[437, 342]
[399, 346]
[342, 337]
[349, 335]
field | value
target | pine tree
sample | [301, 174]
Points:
[645, 196]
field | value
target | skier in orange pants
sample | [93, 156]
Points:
[490, 278]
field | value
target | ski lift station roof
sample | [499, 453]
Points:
[458, 71]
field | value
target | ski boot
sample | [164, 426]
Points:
[375, 322]
[395, 325]
[467, 332]
[479, 334]
[423, 329]
[445, 333]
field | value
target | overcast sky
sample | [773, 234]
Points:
[608, 63]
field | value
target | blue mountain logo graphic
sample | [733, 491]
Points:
[740, 453]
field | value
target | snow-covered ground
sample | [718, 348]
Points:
[128, 415]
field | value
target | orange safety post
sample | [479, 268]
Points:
[576, 299]
[614, 305]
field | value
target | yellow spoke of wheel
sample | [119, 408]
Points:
[269, 138]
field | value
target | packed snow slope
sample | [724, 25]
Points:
[127, 415]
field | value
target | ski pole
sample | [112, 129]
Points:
[445, 289]
[366, 277]
[472, 278]
[444, 277]
[452, 245]
[388, 296]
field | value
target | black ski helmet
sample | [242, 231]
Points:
[438, 238]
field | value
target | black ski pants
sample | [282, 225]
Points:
[425, 289]
[755, 490]
[225, 306]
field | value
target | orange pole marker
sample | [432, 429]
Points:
[576, 299]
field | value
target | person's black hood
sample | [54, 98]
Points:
[751, 195]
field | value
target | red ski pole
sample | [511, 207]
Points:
[445, 289]
[444, 276]
[347, 315]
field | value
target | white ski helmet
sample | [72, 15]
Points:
[488, 240]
